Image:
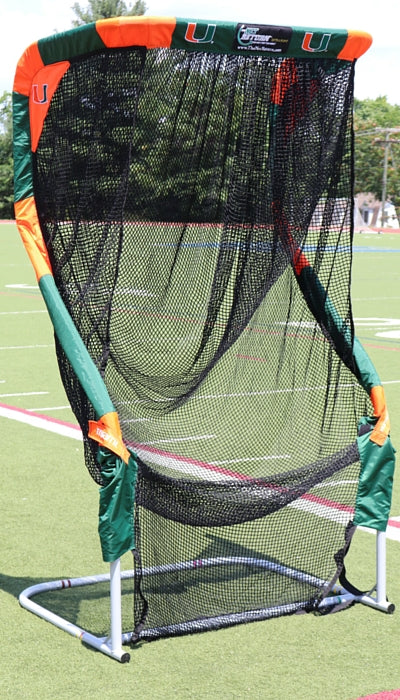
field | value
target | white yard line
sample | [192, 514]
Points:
[268, 392]
[26, 393]
[47, 408]
[176, 463]
[20, 313]
[50, 424]
[250, 459]
[181, 439]
[25, 347]
[327, 512]
[392, 532]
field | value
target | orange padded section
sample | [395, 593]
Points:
[31, 234]
[356, 45]
[382, 428]
[107, 432]
[28, 65]
[150, 32]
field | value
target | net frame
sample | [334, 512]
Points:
[49, 60]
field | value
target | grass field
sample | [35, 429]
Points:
[49, 504]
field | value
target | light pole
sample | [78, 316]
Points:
[386, 142]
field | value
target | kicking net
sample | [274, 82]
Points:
[193, 206]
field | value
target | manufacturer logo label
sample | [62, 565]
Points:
[308, 40]
[206, 33]
[263, 38]
[105, 438]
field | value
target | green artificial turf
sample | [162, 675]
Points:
[49, 504]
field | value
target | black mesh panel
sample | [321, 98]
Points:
[176, 192]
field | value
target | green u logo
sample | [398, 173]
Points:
[323, 44]
[205, 39]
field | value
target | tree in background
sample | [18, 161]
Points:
[104, 9]
[376, 122]
[6, 161]
[369, 115]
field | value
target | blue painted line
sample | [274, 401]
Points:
[364, 249]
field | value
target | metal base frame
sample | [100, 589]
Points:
[113, 644]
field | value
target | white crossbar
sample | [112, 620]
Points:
[112, 645]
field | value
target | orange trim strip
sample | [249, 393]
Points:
[356, 45]
[27, 67]
[299, 261]
[107, 432]
[44, 85]
[382, 428]
[285, 77]
[31, 234]
[150, 32]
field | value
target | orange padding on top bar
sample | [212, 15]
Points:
[107, 432]
[356, 45]
[28, 65]
[382, 427]
[31, 234]
[151, 32]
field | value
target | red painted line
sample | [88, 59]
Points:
[330, 504]
[384, 695]
[394, 523]
[43, 417]
[189, 460]
[203, 465]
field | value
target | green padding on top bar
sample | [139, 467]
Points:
[257, 39]
[317, 42]
[66, 45]
[210, 36]
[203, 35]
[75, 349]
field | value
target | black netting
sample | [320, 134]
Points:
[178, 194]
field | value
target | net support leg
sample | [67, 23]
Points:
[379, 601]
[381, 568]
[115, 608]
[112, 645]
